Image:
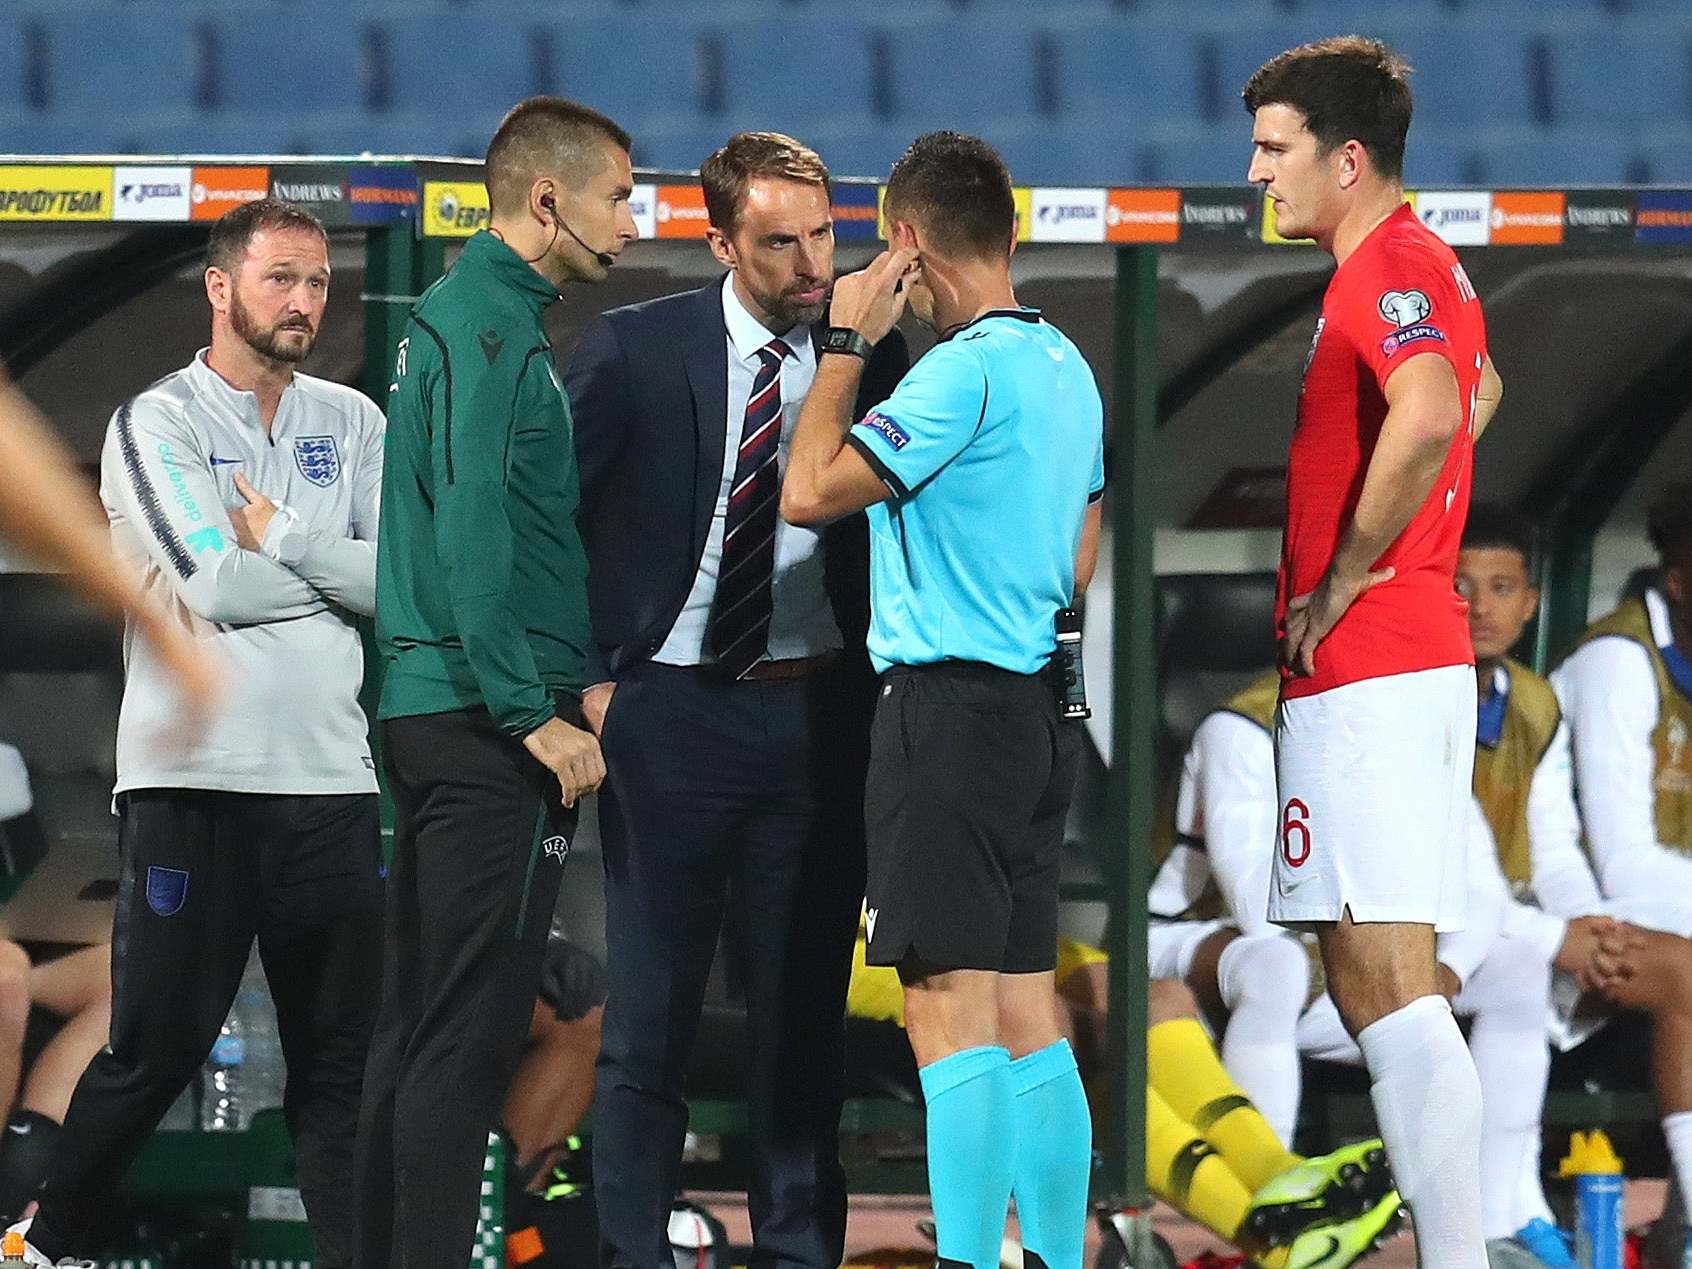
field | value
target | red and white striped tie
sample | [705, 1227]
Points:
[740, 610]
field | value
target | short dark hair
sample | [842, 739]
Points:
[1348, 88]
[1670, 522]
[545, 136]
[728, 173]
[234, 230]
[1495, 527]
[958, 190]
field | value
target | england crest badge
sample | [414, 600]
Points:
[318, 459]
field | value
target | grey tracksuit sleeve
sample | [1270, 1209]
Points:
[153, 470]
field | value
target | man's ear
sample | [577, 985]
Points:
[904, 236]
[721, 247]
[218, 284]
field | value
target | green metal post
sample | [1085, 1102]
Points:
[398, 265]
[1133, 773]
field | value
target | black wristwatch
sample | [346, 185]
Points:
[843, 339]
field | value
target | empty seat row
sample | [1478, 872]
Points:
[1037, 153]
[80, 62]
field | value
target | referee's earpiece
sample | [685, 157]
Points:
[605, 258]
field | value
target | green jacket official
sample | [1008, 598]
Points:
[482, 622]
[482, 581]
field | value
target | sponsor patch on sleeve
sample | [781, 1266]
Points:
[890, 431]
[1411, 335]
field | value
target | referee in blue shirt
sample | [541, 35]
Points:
[982, 474]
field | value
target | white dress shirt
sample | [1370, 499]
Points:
[802, 622]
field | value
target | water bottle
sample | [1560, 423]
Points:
[223, 1080]
[265, 1072]
[1599, 1237]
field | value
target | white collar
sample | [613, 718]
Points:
[1656, 608]
[239, 400]
[748, 334]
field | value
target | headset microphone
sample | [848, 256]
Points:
[605, 258]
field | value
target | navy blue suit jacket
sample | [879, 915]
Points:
[648, 389]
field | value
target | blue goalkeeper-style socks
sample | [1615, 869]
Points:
[971, 1152]
[1054, 1155]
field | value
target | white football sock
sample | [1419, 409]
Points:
[1678, 1129]
[1428, 1103]
[1264, 982]
[1508, 999]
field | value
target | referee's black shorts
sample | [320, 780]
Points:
[970, 775]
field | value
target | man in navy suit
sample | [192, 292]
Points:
[732, 700]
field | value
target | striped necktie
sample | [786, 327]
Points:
[740, 611]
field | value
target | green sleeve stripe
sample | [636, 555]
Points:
[446, 370]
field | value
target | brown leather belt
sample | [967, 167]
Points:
[793, 668]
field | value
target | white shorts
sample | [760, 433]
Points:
[1578, 1015]
[1171, 945]
[1374, 796]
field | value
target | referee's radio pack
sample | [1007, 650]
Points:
[1066, 667]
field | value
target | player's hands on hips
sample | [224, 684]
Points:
[1312, 617]
[253, 519]
[569, 753]
[1578, 954]
[871, 301]
[595, 701]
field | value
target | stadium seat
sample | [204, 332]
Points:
[430, 134]
[1640, 73]
[954, 73]
[1464, 75]
[268, 59]
[1667, 154]
[34, 135]
[640, 70]
[1432, 161]
[1215, 633]
[1218, 154]
[683, 147]
[797, 65]
[427, 70]
[261, 133]
[1471, 75]
[1129, 72]
[119, 61]
[21, 70]
[1077, 154]
[1557, 158]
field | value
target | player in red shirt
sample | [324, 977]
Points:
[1374, 734]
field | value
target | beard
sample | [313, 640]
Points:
[786, 312]
[275, 342]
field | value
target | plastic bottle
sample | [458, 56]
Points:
[265, 1072]
[222, 1082]
[1597, 1173]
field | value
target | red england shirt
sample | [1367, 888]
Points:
[1401, 294]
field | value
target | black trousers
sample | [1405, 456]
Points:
[736, 804]
[480, 835]
[203, 873]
